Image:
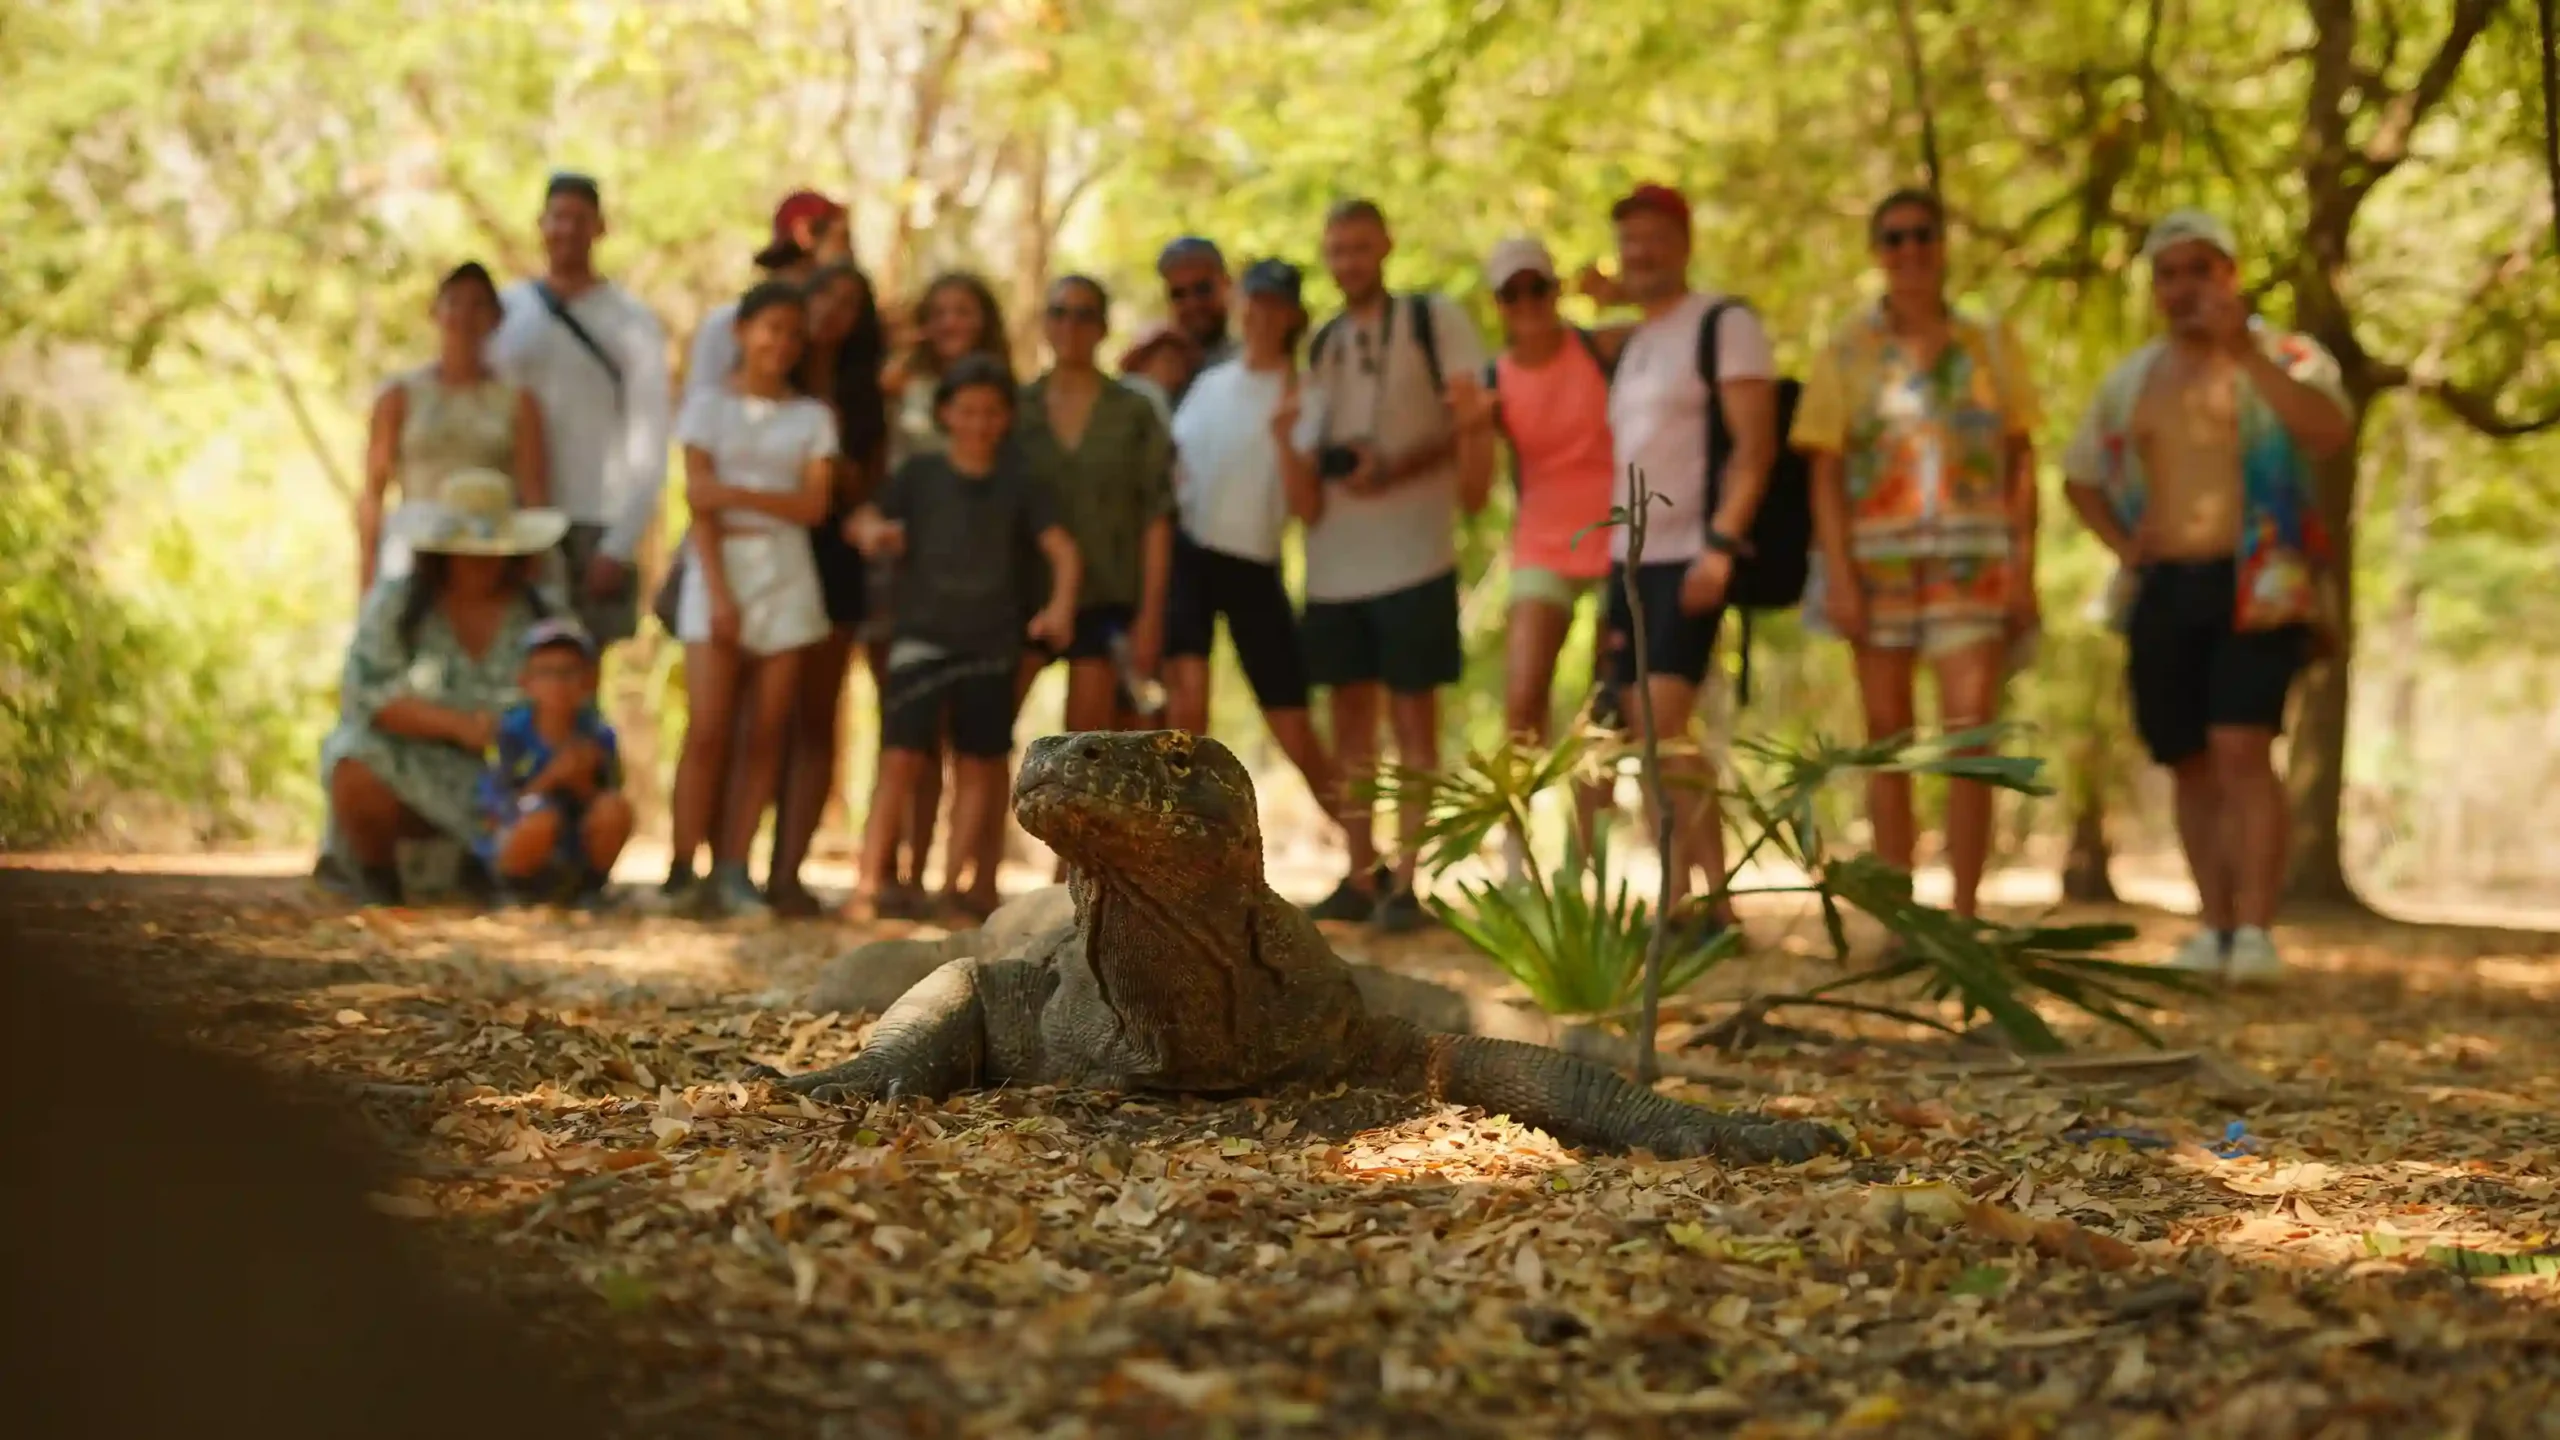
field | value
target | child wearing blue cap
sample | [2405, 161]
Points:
[553, 791]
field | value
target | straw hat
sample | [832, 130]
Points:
[474, 513]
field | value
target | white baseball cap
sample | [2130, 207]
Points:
[2180, 226]
[1519, 255]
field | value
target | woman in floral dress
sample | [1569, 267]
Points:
[433, 664]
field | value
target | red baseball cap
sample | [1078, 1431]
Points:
[1660, 199]
[802, 207]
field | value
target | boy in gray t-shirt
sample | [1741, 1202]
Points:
[1376, 433]
[958, 522]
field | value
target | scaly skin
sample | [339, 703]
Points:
[1184, 972]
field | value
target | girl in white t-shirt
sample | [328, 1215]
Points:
[759, 469]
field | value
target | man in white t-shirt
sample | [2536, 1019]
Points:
[595, 358]
[1707, 487]
[1381, 619]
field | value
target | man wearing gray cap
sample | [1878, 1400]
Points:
[2194, 465]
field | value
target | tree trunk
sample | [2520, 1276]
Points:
[2315, 768]
[2084, 867]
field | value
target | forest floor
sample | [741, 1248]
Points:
[558, 1092]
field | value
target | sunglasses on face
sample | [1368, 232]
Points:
[1196, 290]
[1075, 315]
[1902, 235]
[1534, 288]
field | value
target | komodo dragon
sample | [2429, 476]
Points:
[1184, 972]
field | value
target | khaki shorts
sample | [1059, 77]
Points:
[1549, 587]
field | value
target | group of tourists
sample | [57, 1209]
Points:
[920, 505]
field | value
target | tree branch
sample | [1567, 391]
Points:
[514, 257]
[280, 374]
[2551, 111]
[2474, 407]
[2471, 407]
[1909, 25]
[2401, 113]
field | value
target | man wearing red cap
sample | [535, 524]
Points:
[1706, 458]
[809, 230]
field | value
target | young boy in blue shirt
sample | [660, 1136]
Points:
[553, 791]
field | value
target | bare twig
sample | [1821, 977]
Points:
[1648, 1067]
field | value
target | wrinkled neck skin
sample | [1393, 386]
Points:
[1171, 941]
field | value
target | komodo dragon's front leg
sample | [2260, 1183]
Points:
[1573, 1099]
[969, 1024]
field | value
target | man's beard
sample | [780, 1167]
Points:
[1652, 284]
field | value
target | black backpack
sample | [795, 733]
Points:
[1773, 576]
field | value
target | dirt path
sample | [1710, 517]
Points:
[1066, 1264]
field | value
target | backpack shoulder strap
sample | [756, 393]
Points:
[1324, 337]
[1424, 336]
[1708, 330]
[559, 309]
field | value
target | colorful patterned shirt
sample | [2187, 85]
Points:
[2283, 545]
[522, 753]
[1924, 449]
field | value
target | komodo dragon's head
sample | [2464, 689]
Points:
[1134, 805]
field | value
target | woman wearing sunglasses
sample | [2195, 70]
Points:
[1548, 395]
[1919, 422]
[1103, 452]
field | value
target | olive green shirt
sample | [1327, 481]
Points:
[1108, 489]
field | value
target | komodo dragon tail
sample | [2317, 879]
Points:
[1578, 1101]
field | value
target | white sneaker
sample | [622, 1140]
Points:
[2202, 954]
[2253, 957]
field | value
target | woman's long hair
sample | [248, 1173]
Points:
[426, 586]
[862, 412]
[991, 337]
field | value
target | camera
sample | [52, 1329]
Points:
[1336, 462]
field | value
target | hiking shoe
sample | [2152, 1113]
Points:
[331, 876]
[1347, 902]
[679, 882]
[732, 893]
[1695, 928]
[2204, 953]
[2253, 957]
[378, 887]
[791, 900]
[1401, 913]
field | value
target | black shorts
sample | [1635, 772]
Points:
[1676, 643]
[1096, 627]
[1209, 583]
[841, 578]
[969, 695]
[2190, 672]
[1406, 639]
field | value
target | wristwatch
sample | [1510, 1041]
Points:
[1725, 544]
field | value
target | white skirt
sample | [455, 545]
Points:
[775, 580]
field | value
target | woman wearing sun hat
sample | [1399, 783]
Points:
[434, 662]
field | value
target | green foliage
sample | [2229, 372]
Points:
[1576, 955]
[1576, 950]
[108, 690]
